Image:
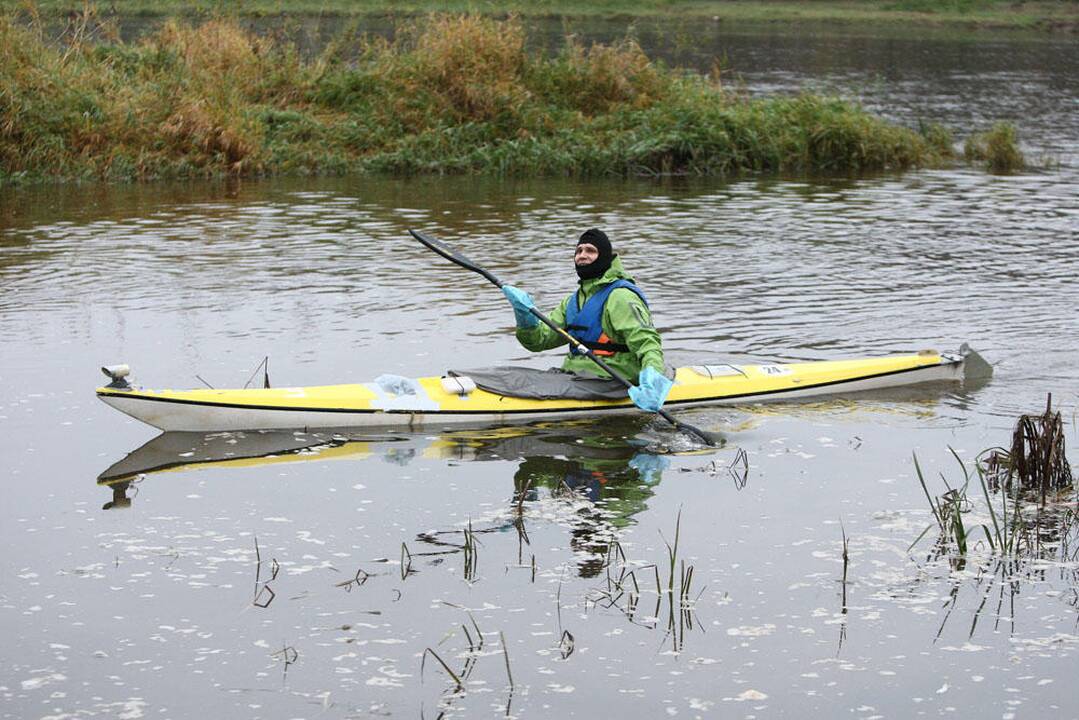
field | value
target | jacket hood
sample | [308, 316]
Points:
[614, 272]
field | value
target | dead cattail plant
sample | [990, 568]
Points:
[1036, 460]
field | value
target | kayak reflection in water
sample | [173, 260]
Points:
[616, 486]
[609, 314]
[606, 480]
[119, 496]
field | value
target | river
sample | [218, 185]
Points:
[313, 582]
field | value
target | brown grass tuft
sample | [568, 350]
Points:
[473, 64]
[208, 138]
[609, 75]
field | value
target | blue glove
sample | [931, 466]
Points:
[650, 466]
[651, 390]
[522, 304]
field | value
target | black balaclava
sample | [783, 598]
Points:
[601, 264]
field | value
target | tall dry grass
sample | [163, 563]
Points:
[451, 94]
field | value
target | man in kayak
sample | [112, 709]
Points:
[609, 315]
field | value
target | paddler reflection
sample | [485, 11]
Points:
[611, 483]
[606, 479]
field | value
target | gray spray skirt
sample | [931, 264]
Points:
[552, 384]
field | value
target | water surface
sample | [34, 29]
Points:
[140, 593]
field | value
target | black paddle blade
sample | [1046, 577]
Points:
[452, 255]
[708, 438]
[712, 439]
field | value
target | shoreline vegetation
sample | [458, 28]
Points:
[1041, 15]
[451, 94]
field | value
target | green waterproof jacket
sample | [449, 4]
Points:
[626, 320]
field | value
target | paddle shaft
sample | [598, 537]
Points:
[457, 258]
[615, 374]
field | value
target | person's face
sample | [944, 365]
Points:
[585, 254]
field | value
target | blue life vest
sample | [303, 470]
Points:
[586, 324]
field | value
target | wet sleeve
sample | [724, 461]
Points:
[541, 337]
[631, 322]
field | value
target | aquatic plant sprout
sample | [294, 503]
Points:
[1016, 532]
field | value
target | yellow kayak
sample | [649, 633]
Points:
[447, 401]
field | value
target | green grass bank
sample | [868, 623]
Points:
[1060, 15]
[452, 94]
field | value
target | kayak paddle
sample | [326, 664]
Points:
[713, 439]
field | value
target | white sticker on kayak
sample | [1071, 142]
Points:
[775, 370]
